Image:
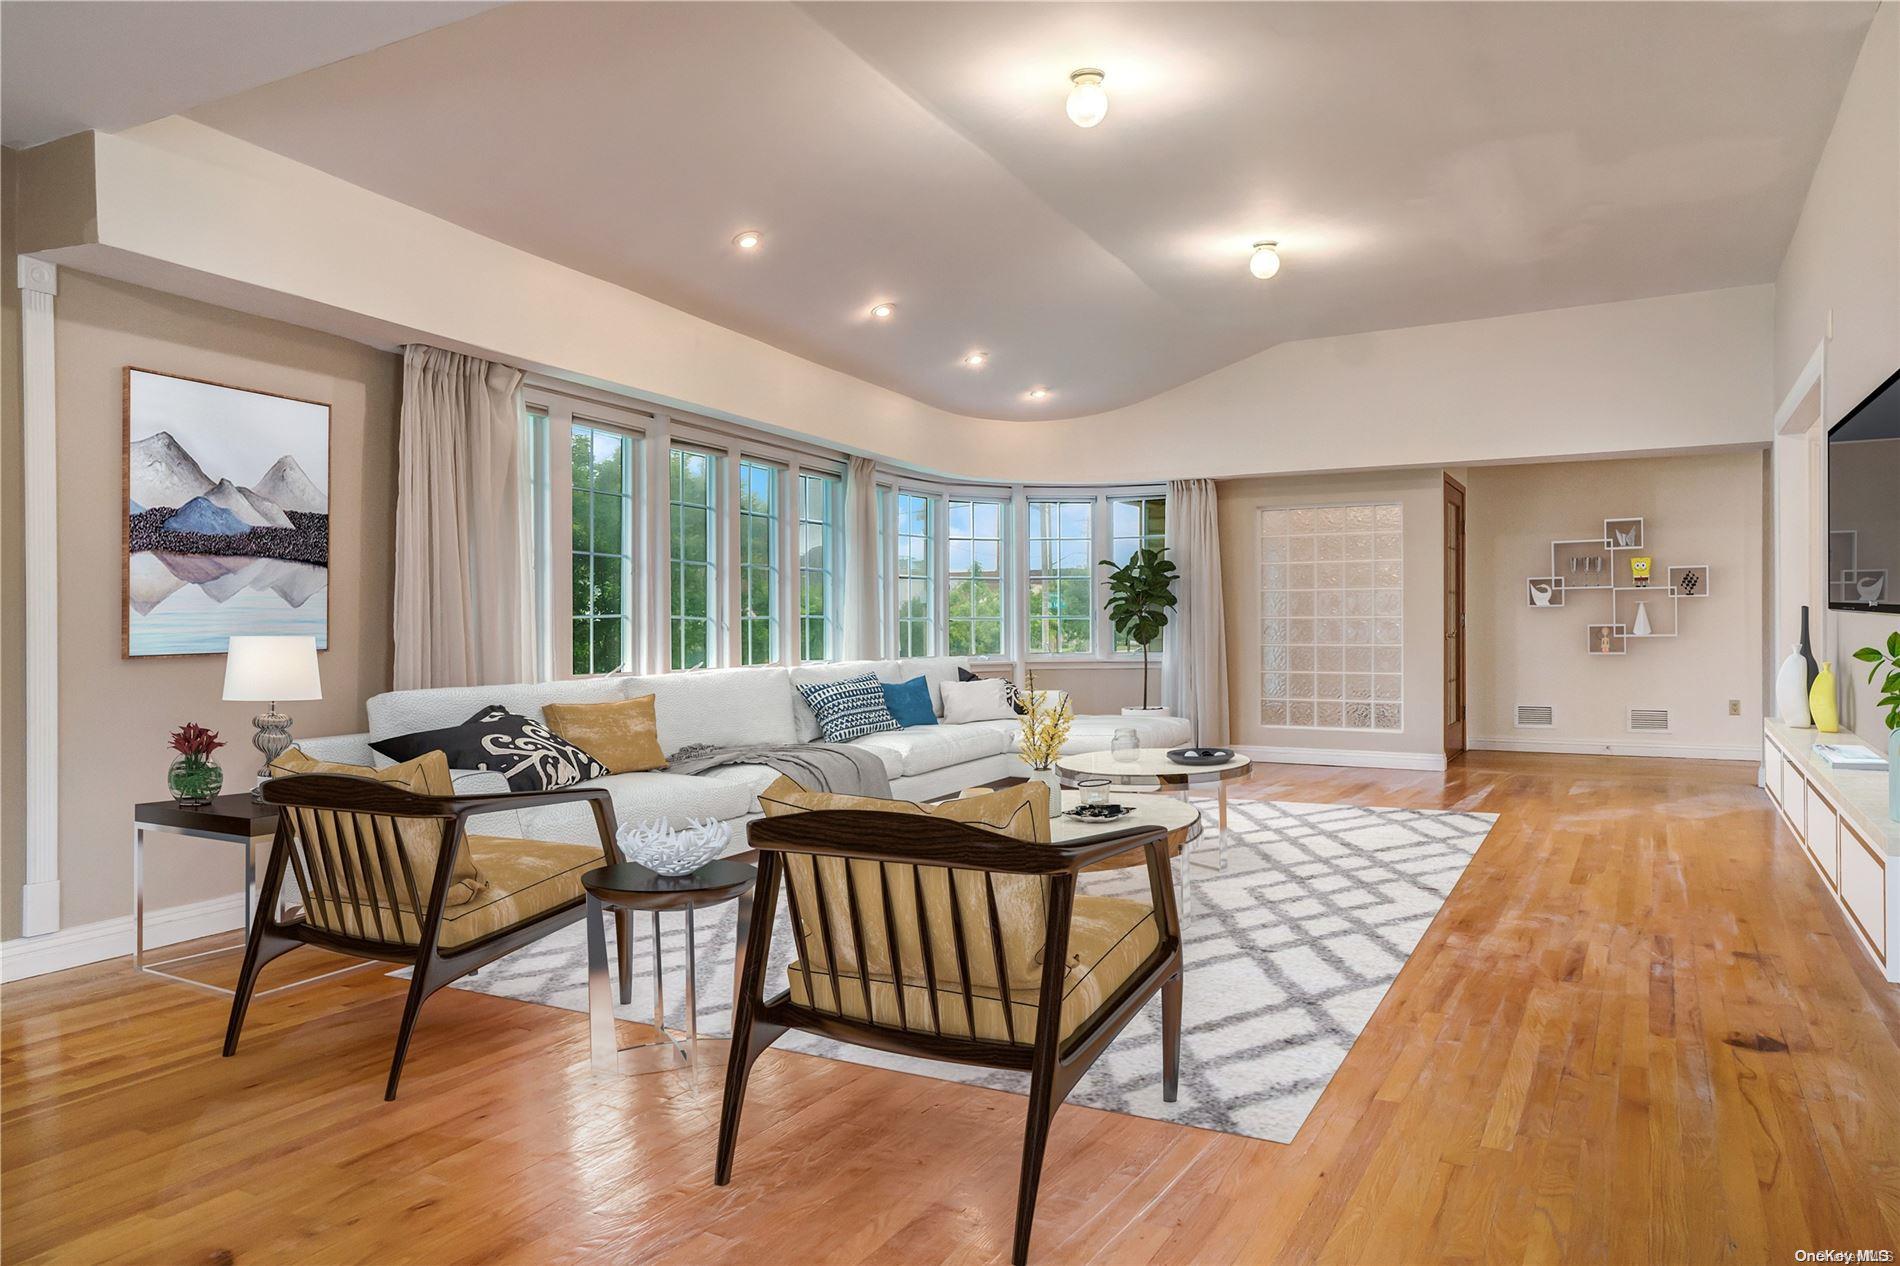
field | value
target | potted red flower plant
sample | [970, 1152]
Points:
[194, 777]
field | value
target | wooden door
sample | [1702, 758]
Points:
[1454, 617]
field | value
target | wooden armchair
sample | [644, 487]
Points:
[998, 961]
[385, 873]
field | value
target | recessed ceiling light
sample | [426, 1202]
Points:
[883, 311]
[748, 240]
[975, 359]
[1088, 103]
[1039, 393]
[1265, 261]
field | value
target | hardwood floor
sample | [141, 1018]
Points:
[1638, 1032]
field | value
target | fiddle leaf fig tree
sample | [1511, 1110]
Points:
[1887, 662]
[1140, 595]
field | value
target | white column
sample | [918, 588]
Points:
[39, 899]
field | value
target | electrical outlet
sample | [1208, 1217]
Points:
[1735, 707]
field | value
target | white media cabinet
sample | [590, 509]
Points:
[1840, 817]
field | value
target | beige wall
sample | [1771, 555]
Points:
[1843, 262]
[1422, 494]
[1101, 688]
[115, 713]
[1696, 509]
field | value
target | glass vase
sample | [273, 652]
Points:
[193, 781]
[1125, 745]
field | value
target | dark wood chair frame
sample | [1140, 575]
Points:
[351, 883]
[1054, 1063]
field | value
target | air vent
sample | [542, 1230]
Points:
[1535, 716]
[1649, 720]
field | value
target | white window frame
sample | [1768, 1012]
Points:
[774, 564]
[1004, 522]
[1108, 536]
[832, 530]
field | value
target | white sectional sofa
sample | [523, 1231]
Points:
[729, 707]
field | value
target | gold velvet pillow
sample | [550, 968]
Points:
[426, 775]
[1021, 813]
[621, 735]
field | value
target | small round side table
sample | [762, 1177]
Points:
[1153, 763]
[630, 886]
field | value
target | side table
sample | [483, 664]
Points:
[630, 886]
[232, 819]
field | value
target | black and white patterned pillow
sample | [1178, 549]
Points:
[525, 752]
[850, 708]
[1012, 693]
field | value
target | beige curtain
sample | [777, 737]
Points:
[862, 632]
[464, 544]
[1194, 660]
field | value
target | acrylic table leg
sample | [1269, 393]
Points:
[623, 945]
[138, 896]
[692, 1003]
[250, 885]
[603, 1052]
[1223, 823]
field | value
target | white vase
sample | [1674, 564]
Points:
[1050, 779]
[1641, 627]
[1791, 691]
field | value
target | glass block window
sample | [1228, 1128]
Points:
[974, 616]
[758, 562]
[1061, 586]
[1332, 601]
[604, 466]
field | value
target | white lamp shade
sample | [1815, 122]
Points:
[267, 669]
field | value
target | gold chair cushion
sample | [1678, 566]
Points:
[1019, 813]
[622, 735]
[426, 775]
[1109, 938]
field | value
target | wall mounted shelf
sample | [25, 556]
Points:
[1604, 564]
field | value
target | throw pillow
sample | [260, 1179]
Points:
[848, 709]
[524, 752]
[425, 775]
[622, 735]
[909, 702]
[965, 701]
[1020, 812]
[1011, 690]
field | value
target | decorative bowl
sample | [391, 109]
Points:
[674, 851]
[1200, 755]
[1099, 812]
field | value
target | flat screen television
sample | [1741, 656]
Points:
[1863, 504]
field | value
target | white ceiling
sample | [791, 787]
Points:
[76, 65]
[1421, 163]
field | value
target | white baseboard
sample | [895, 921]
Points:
[1583, 747]
[39, 908]
[1356, 758]
[112, 938]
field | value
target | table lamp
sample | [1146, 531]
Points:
[270, 670]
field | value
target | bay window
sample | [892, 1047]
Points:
[693, 495]
[1060, 582]
[604, 465]
[916, 574]
[1135, 523]
[973, 612]
[758, 562]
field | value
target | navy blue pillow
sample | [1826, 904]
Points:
[909, 702]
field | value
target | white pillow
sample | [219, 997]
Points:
[984, 700]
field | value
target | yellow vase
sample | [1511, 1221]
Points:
[1827, 717]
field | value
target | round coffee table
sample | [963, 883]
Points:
[1181, 820]
[631, 886]
[1153, 763]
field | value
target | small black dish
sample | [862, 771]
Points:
[1099, 812]
[1201, 755]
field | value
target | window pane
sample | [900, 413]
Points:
[758, 562]
[604, 467]
[916, 574]
[974, 619]
[693, 478]
[1139, 523]
[1061, 581]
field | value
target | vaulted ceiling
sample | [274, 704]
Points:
[1419, 163]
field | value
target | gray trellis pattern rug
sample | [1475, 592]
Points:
[1289, 949]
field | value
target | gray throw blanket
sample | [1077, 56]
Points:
[833, 767]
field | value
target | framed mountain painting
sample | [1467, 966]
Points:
[227, 514]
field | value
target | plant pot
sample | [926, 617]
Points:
[1156, 711]
[1050, 779]
[193, 781]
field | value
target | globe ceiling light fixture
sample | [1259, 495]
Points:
[1266, 260]
[1088, 102]
[975, 360]
[884, 311]
[748, 240]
